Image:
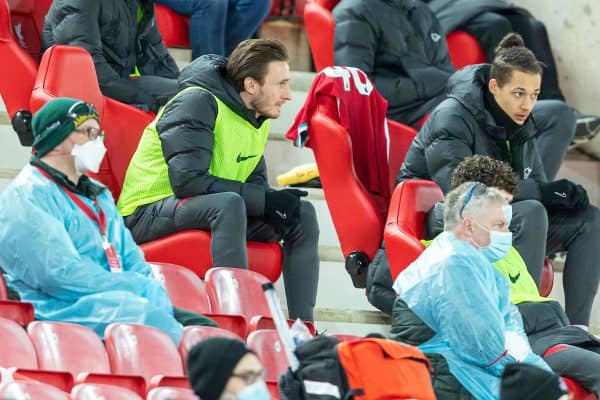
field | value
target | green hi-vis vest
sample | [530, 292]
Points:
[522, 286]
[237, 149]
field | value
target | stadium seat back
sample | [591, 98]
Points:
[320, 30]
[410, 202]
[173, 27]
[269, 349]
[169, 393]
[18, 67]
[358, 216]
[97, 391]
[141, 350]
[31, 390]
[17, 350]
[464, 49]
[62, 346]
[401, 137]
[185, 288]
[236, 291]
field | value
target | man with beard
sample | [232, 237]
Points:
[200, 165]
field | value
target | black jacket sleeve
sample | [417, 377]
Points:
[186, 133]
[155, 58]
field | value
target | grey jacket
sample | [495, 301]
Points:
[110, 32]
[399, 44]
[186, 133]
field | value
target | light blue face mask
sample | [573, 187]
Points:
[500, 243]
[257, 391]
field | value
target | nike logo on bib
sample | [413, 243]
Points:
[241, 158]
[514, 279]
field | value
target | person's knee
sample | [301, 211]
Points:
[560, 114]
[232, 204]
[591, 218]
[529, 213]
[537, 28]
[308, 219]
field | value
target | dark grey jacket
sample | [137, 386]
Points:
[454, 13]
[460, 127]
[186, 133]
[109, 31]
[399, 44]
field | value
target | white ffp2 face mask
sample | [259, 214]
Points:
[88, 156]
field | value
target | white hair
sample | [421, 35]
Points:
[455, 208]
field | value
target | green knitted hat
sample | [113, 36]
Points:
[54, 122]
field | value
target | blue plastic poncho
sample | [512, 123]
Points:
[52, 255]
[465, 300]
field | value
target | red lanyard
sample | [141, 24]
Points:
[99, 219]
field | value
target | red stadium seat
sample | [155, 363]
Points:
[142, 350]
[575, 389]
[185, 288]
[320, 30]
[411, 201]
[90, 391]
[69, 71]
[20, 27]
[464, 49]
[17, 350]
[401, 137]
[168, 393]
[358, 216]
[18, 311]
[239, 292]
[3, 288]
[195, 334]
[78, 350]
[173, 27]
[269, 349]
[31, 390]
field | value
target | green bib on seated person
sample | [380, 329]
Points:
[522, 286]
[237, 149]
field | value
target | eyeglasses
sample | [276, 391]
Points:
[249, 377]
[477, 189]
[91, 132]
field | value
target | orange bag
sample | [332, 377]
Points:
[379, 369]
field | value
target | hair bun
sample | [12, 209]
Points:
[512, 39]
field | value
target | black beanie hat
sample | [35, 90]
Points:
[526, 382]
[211, 363]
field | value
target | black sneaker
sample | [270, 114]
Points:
[587, 127]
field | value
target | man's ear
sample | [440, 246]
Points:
[493, 86]
[250, 85]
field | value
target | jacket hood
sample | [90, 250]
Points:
[468, 85]
[210, 71]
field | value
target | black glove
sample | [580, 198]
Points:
[282, 207]
[564, 194]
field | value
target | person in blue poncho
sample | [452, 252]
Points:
[455, 305]
[63, 245]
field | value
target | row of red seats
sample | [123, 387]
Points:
[29, 389]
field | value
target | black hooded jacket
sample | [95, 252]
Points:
[117, 42]
[186, 133]
[461, 126]
[399, 44]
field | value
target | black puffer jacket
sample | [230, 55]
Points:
[400, 46]
[408, 328]
[461, 126]
[109, 31]
[186, 133]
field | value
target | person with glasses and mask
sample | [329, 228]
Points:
[222, 368]
[490, 110]
[455, 305]
[63, 245]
